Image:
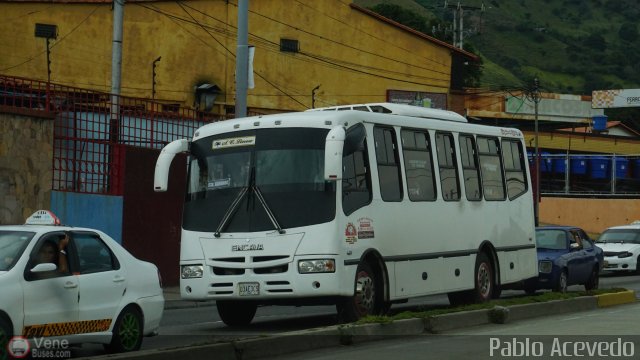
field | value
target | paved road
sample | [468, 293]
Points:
[187, 326]
[601, 333]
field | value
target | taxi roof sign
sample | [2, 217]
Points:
[43, 217]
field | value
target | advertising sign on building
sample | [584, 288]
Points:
[602, 99]
[418, 98]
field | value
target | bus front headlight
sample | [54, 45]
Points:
[316, 266]
[191, 271]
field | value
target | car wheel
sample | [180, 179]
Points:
[638, 266]
[593, 281]
[367, 299]
[561, 286]
[484, 281]
[236, 313]
[6, 332]
[127, 331]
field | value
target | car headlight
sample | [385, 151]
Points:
[316, 266]
[191, 271]
[625, 254]
[545, 266]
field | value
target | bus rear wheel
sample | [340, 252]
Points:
[367, 298]
[236, 313]
[484, 279]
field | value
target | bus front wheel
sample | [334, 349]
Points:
[236, 313]
[367, 298]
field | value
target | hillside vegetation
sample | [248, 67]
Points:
[571, 46]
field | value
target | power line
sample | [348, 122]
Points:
[257, 73]
[336, 61]
[56, 43]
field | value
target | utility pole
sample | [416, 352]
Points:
[535, 94]
[116, 65]
[458, 20]
[242, 59]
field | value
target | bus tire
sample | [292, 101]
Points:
[484, 280]
[367, 298]
[236, 313]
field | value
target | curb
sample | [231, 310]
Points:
[337, 335]
[623, 297]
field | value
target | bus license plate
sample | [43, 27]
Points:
[249, 289]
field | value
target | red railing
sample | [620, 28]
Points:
[91, 129]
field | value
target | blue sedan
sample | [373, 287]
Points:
[566, 256]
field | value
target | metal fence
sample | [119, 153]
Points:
[589, 175]
[92, 129]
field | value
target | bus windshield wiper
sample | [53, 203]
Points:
[230, 211]
[263, 202]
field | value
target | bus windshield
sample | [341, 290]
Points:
[229, 172]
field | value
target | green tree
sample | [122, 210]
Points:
[628, 32]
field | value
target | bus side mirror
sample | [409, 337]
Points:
[334, 144]
[161, 176]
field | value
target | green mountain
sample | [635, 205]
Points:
[571, 46]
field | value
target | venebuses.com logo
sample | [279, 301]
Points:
[18, 347]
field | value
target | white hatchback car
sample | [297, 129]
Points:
[75, 285]
[621, 246]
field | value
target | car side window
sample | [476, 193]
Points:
[575, 238]
[46, 251]
[93, 254]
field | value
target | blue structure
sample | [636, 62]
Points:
[622, 168]
[545, 162]
[599, 167]
[578, 165]
[559, 165]
[600, 122]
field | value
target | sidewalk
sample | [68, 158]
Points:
[172, 299]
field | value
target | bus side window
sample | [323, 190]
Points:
[356, 178]
[470, 170]
[418, 165]
[513, 158]
[491, 167]
[448, 168]
[388, 164]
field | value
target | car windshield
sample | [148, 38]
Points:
[552, 239]
[629, 236]
[12, 244]
[258, 180]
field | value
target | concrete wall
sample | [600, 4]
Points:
[593, 215]
[26, 155]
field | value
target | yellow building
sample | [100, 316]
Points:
[347, 53]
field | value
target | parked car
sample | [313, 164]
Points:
[566, 256]
[76, 285]
[621, 245]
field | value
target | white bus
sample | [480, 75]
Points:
[352, 208]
